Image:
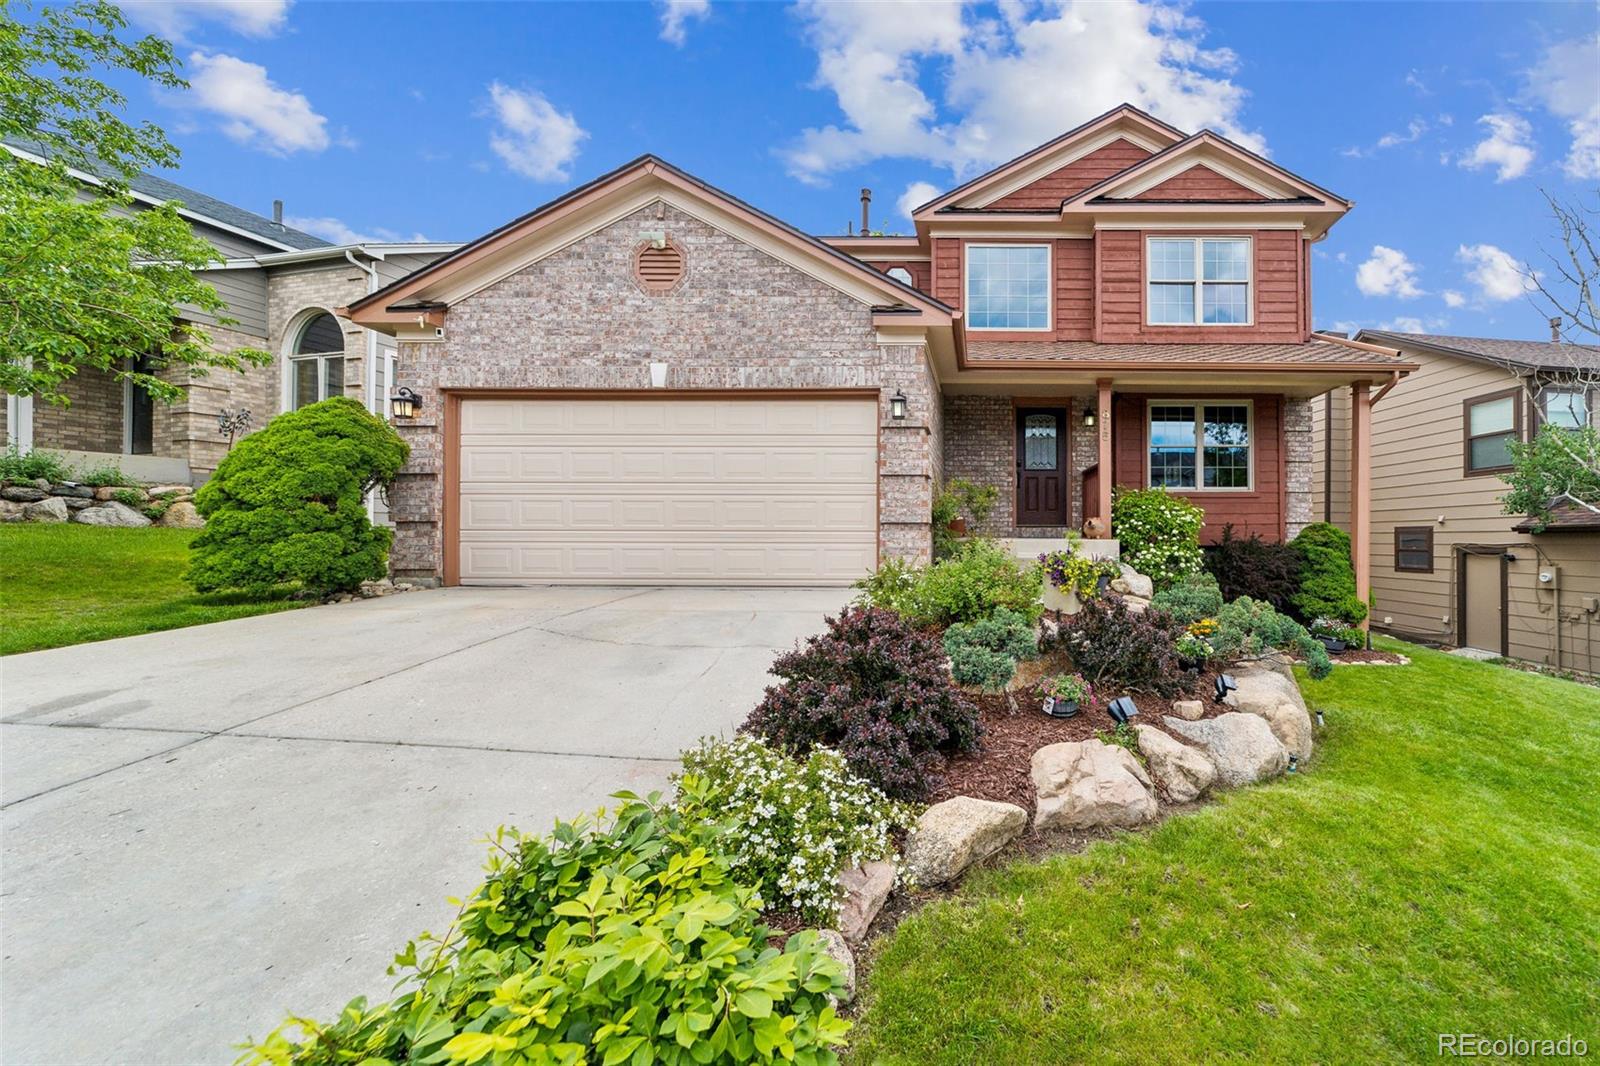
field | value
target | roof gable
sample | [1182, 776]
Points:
[1240, 166]
[1047, 192]
[1200, 183]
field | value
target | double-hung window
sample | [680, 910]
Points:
[1492, 424]
[316, 366]
[1564, 407]
[1198, 281]
[1200, 445]
[1008, 286]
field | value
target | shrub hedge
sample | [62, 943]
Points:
[1327, 577]
[980, 578]
[1191, 599]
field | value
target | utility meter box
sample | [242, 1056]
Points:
[1550, 577]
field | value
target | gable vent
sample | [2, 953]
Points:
[658, 268]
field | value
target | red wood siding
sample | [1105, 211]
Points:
[1261, 510]
[1199, 182]
[947, 270]
[921, 271]
[1074, 310]
[1279, 291]
[1047, 193]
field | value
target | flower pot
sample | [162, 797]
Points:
[1102, 583]
[958, 525]
[1194, 666]
[1063, 600]
[1333, 645]
[1060, 708]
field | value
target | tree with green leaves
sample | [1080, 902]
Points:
[87, 282]
[1558, 466]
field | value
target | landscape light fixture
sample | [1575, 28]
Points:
[1122, 708]
[1225, 684]
[1294, 763]
[1320, 722]
[897, 405]
[404, 403]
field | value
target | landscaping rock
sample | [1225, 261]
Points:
[114, 514]
[1089, 783]
[1182, 772]
[1136, 604]
[1138, 584]
[76, 503]
[951, 836]
[1281, 664]
[11, 510]
[840, 952]
[110, 492]
[41, 483]
[866, 889]
[49, 509]
[1267, 693]
[23, 493]
[1242, 746]
[181, 515]
[1189, 710]
[82, 492]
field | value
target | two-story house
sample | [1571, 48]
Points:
[649, 379]
[1448, 564]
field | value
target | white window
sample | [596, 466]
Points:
[1198, 281]
[1200, 445]
[1567, 408]
[1008, 286]
[316, 363]
[900, 274]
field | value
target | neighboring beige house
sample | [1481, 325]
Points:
[281, 286]
[1447, 564]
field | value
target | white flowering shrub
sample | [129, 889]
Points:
[1159, 534]
[790, 825]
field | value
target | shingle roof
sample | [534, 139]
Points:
[1565, 517]
[1085, 353]
[1534, 355]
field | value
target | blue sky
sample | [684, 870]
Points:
[1442, 121]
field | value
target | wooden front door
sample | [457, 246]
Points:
[1483, 601]
[1041, 466]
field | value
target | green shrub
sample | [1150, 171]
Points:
[960, 495]
[1159, 533]
[1327, 578]
[130, 498]
[104, 475]
[623, 942]
[985, 653]
[16, 465]
[979, 579]
[790, 825]
[1247, 627]
[1193, 597]
[287, 503]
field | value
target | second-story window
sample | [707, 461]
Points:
[1564, 407]
[1008, 286]
[1492, 423]
[1198, 281]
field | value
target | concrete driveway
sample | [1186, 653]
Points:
[208, 827]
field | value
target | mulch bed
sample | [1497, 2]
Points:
[1362, 655]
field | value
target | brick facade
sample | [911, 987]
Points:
[295, 295]
[980, 446]
[740, 319]
[92, 419]
[1299, 464]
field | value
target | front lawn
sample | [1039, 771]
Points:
[1434, 871]
[68, 584]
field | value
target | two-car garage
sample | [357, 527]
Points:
[681, 489]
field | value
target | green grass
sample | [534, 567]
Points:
[1437, 869]
[69, 584]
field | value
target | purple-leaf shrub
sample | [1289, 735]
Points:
[1113, 647]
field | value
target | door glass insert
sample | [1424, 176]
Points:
[1039, 442]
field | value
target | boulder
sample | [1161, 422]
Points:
[112, 514]
[1189, 710]
[76, 503]
[1242, 746]
[23, 493]
[1182, 772]
[1138, 584]
[72, 488]
[1089, 783]
[49, 509]
[156, 492]
[1277, 699]
[111, 492]
[866, 889]
[181, 515]
[11, 510]
[838, 950]
[951, 836]
[1136, 604]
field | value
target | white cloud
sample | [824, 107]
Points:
[1414, 80]
[335, 230]
[916, 194]
[1567, 82]
[1506, 147]
[1452, 298]
[1496, 275]
[1414, 131]
[174, 19]
[533, 138]
[1403, 324]
[675, 16]
[1387, 272]
[253, 109]
[1008, 83]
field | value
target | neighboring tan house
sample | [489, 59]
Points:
[648, 380]
[281, 286]
[1448, 564]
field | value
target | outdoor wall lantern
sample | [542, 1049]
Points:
[1224, 685]
[897, 405]
[1122, 708]
[1088, 418]
[405, 403]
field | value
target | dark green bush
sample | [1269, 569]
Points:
[1191, 599]
[287, 504]
[1249, 566]
[1247, 627]
[629, 942]
[1327, 578]
[985, 653]
[979, 579]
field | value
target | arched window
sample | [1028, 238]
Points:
[316, 361]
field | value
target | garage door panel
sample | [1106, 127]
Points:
[726, 491]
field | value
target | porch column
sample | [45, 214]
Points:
[1361, 489]
[1103, 422]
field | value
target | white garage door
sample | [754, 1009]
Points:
[668, 491]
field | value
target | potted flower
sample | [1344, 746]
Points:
[1331, 634]
[958, 525]
[1071, 578]
[1063, 695]
[1193, 652]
